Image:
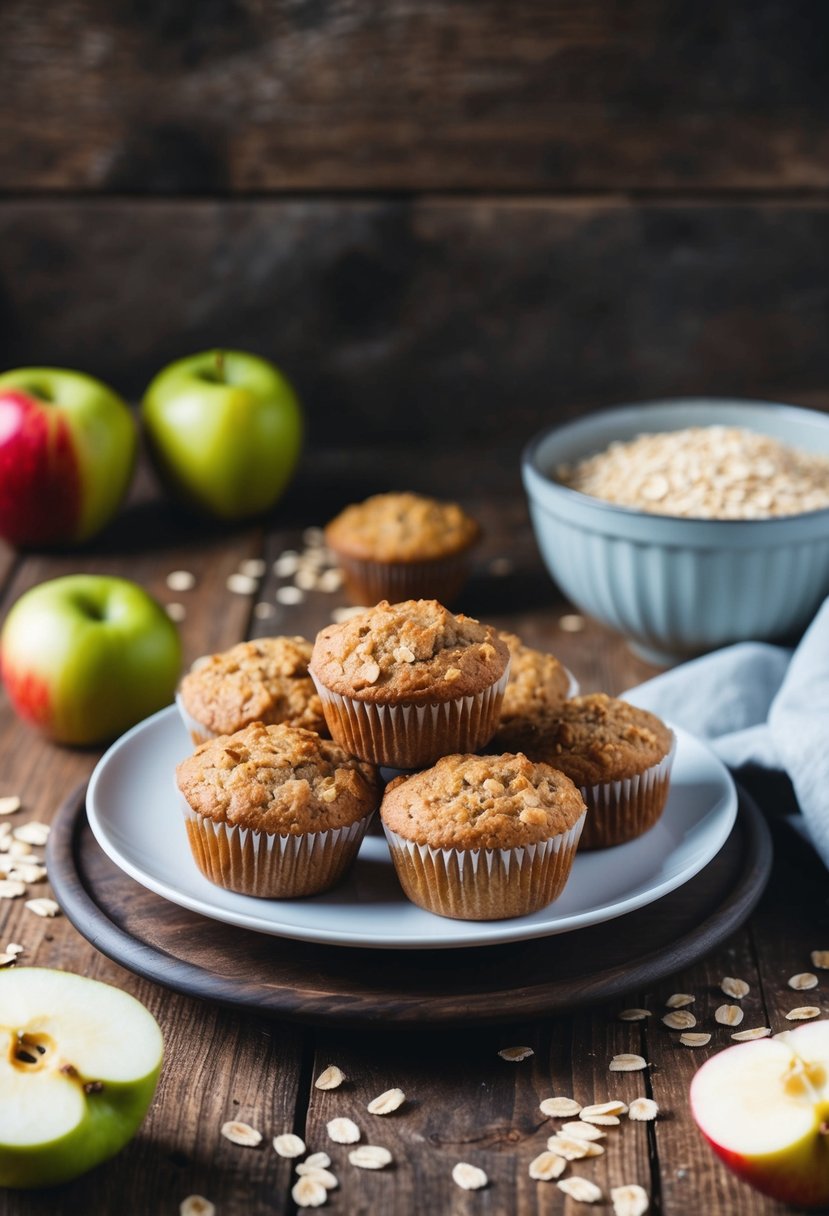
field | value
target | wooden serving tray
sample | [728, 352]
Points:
[297, 980]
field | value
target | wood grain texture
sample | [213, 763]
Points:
[236, 95]
[429, 322]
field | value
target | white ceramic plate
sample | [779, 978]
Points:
[135, 815]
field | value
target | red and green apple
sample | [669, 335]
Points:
[67, 450]
[84, 657]
[79, 1064]
[763, 1106]
[224, 429]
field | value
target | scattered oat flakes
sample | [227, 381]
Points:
[38, 833]
[559, 1108]
[547, 1166]
[679, 1000]
[289, 595]
[289, 1145]
[242, 584]
[756, 1032]
[391, 1100]
[605, 1114]
[343, 1130]
[26, 872]
[643, 1110]
[308, 1193]
[6, 960]
[469, 1177]
[319, 1160]
[573, 1148]
[11, 888]
[799, 982]
[196, 1205]
[252, 567]
[729, 1015]
[820, 959]
[263, 611]
[580, 1189]
[514, 1054]
[627, 1061]
[330, 1078]
[175, 611]
[736, 989]
[629, 1200]
[370, 1157]
[19, 848]
[803, 1013]
[634, 1015]
[695, 1040]
[306, 580]
[181, 580]
[14, 948]
[582, 1130]
[679, 1019]
[286, 564]
[10, 804]
[43, 907]
[319, 1174]
[241, 1133]
[330, 580]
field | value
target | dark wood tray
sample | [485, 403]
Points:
[297, 980]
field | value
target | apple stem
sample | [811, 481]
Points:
[220, 364]
[824, 1128]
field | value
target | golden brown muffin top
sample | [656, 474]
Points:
[482, 802]
[278, 779]
[596, 738]
[416, 651]
[261, 681]
[537, 684]
[401, 528]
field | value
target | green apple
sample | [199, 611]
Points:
[79, 1064]
[67, 450]
[84, 657]
[224, 429]
[763, 1106]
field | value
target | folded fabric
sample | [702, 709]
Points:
[761, 705]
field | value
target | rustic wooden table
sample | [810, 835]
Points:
[463, 1101]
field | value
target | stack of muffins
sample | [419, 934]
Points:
[503, 770]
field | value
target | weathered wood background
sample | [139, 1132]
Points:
[447, 219]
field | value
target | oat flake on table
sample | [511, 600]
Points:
[386, 1102]
[288, 1145]
[469, 1177]
[196, 1205]
[343, 1130]
[547, 1166]
[370, 1157]
[581, 1189]
[331, 1077]
[241, 1133]
[631, 1200]
[308, 1193]
[559, 1108]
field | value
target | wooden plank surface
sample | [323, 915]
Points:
[343, 95]
[463, 1101]
[431, 322]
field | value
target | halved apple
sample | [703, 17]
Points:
[79, 1063]
[764, 1108]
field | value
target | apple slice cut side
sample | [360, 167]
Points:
[79, 1063]
[764, 1108]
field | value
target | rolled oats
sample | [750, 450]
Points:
[10, 804]
[469, 1177]
[370, 1157]
[308, 1193]
[387, 1102]
[695, 1040]
[643, 1109]
[757, 1032]
[729, 1015]
[241, 1133]
[330, 1078]
[736, 989]
[627, 1061]
[343, 1130]
[289, 1145]
[196, 1205]
[679, 1000]
[820, 959]
[634, 1015]
[803, 980]
[581, 1189]
[679, 1019]
[629, 1200]
[582, 1131]
[559, 1108]
[803, 1013]
[547, 1166]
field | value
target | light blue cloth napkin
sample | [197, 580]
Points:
[760, 705]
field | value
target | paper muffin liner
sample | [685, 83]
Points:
[368, 582]
[270, 865]
[622, 810]
[412, 736]
[198, 732]
[484, 884]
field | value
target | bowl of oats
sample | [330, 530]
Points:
[686, 524]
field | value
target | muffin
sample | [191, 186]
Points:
[275, 811]
[483, 837]
[261, 681]
[538, 685]
[403, 684]
[402, 546]
[619, 756]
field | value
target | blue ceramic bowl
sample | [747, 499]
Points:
[675, 586]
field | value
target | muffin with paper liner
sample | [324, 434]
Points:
[483, 837]
[403, 684]
[620, 756]
[275, 811]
